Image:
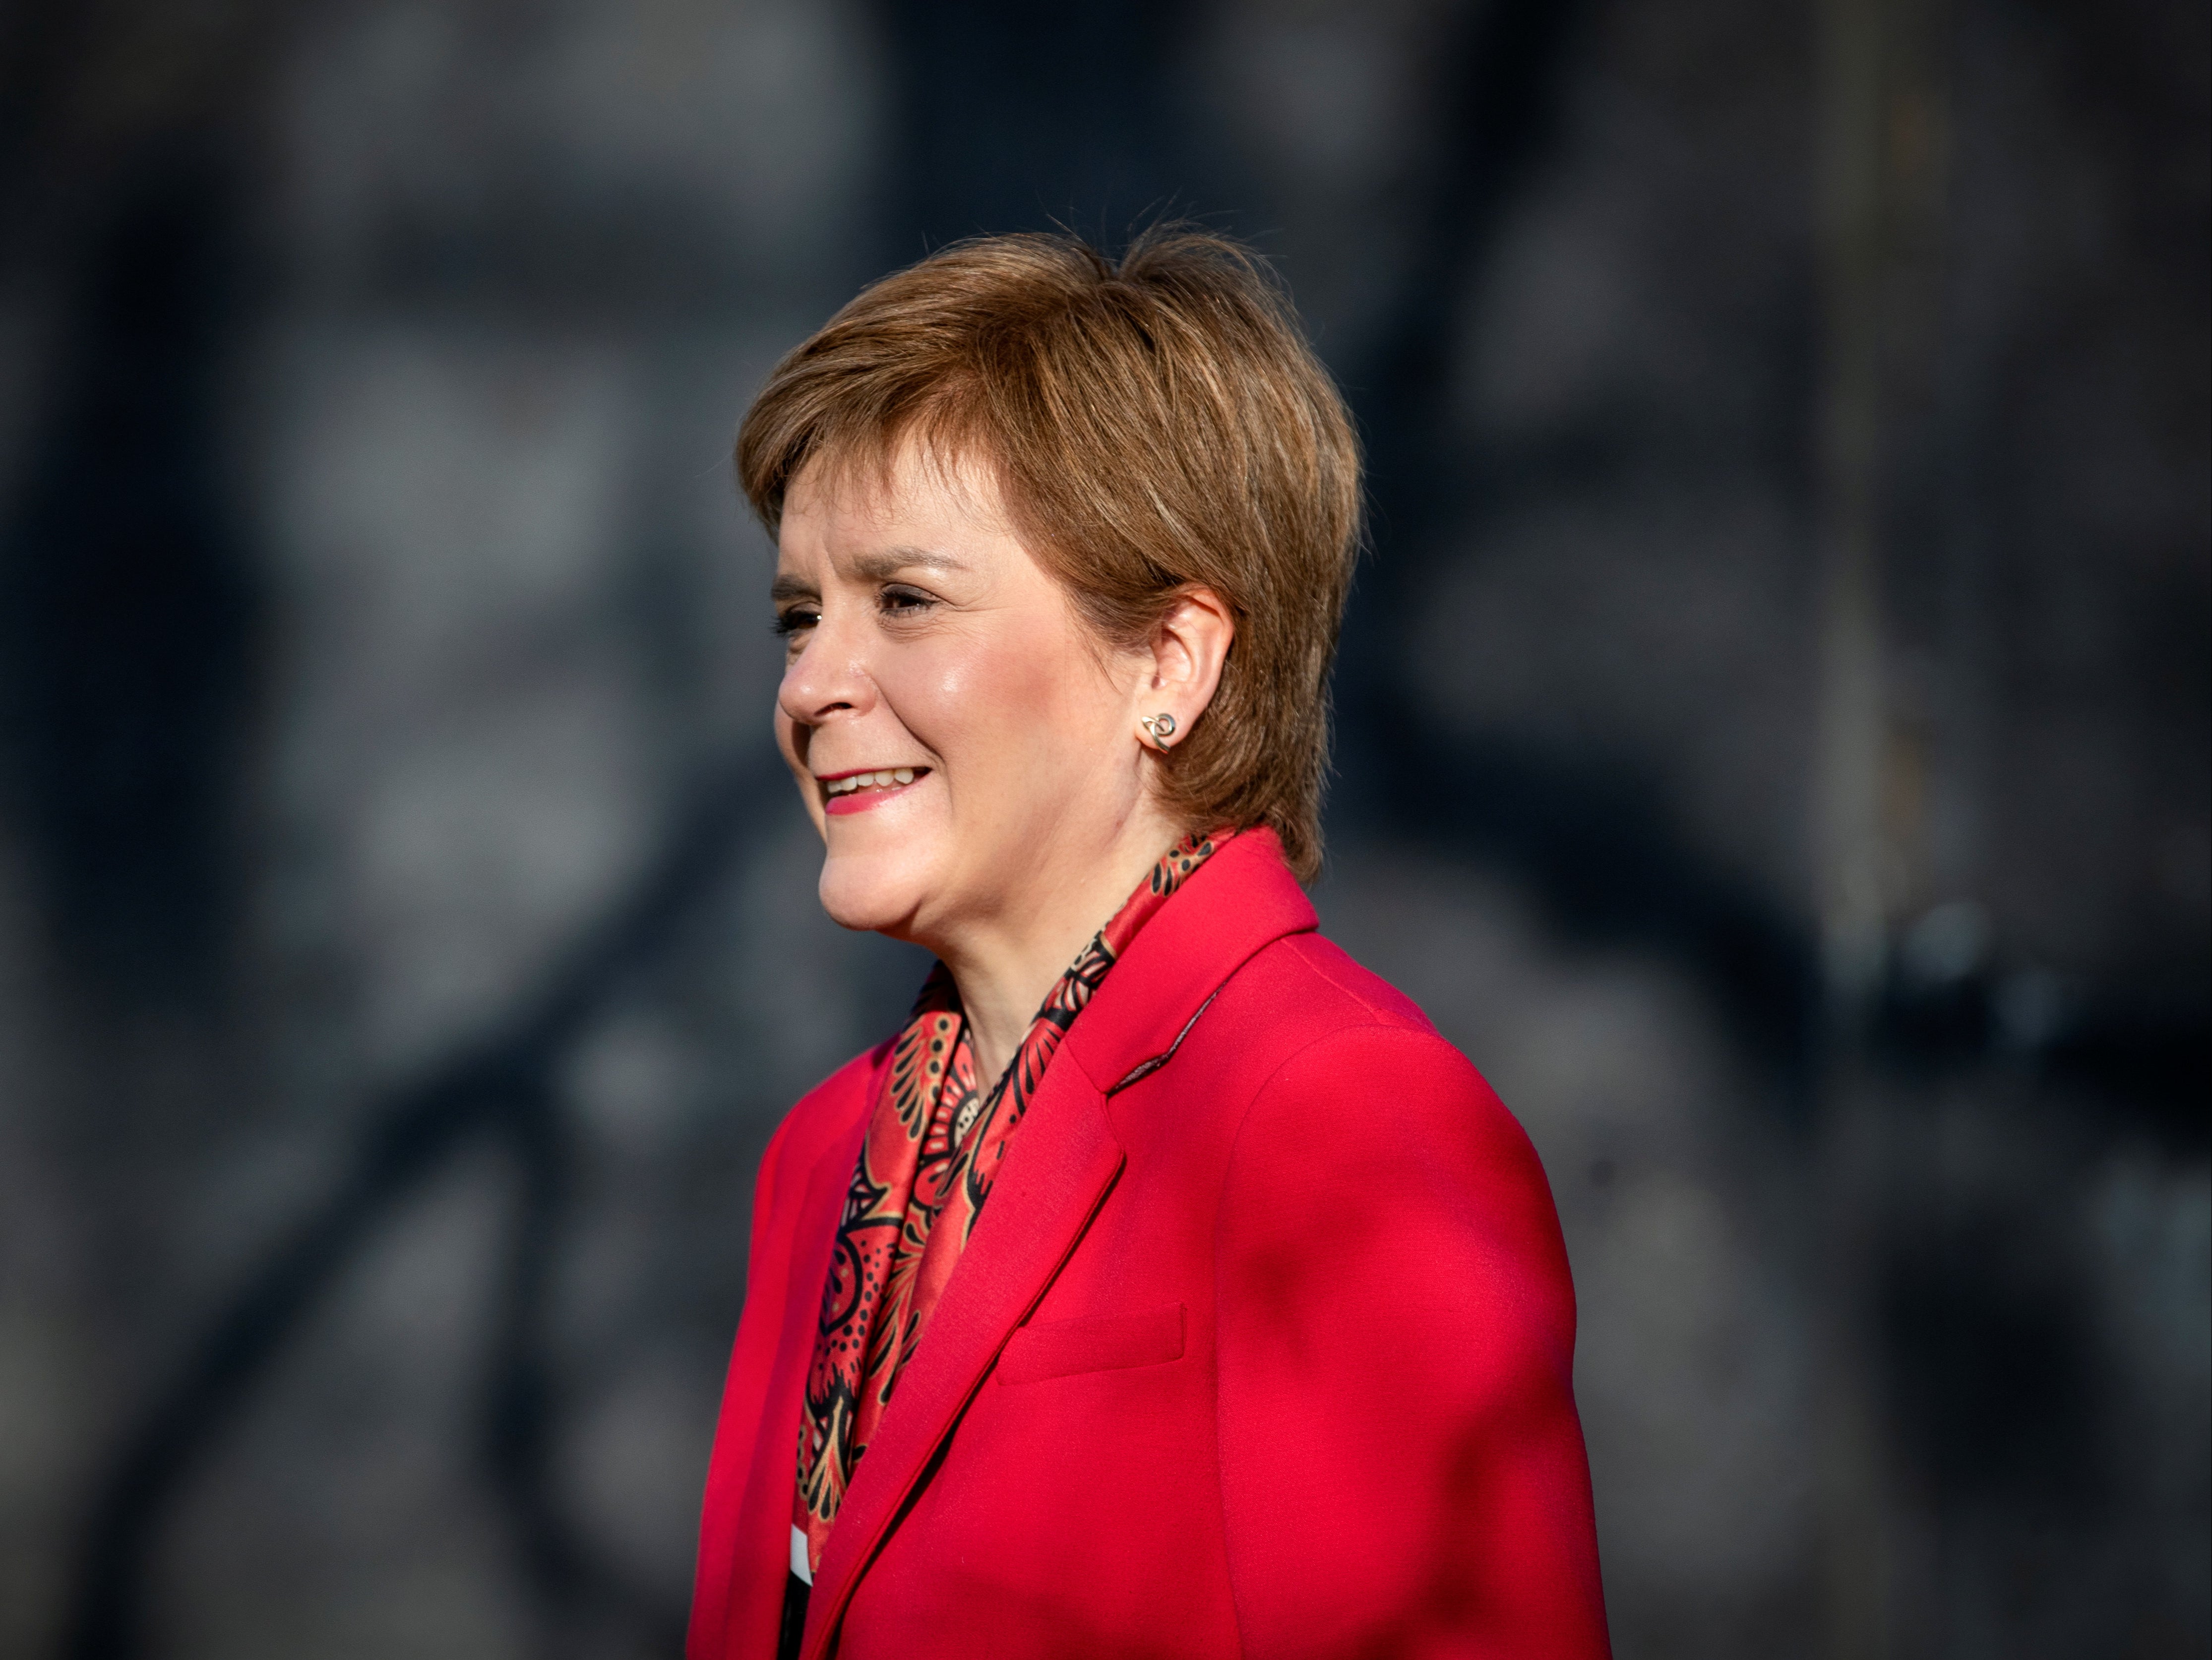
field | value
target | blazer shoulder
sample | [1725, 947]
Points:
[1305, 986]
[1306, 1010]
[1357, 1094]
[1329, 962]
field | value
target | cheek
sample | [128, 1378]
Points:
[992, 707]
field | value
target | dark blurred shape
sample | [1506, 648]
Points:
[130, 608]
[2001, 1401]
[1020, 117]
[1598, 847]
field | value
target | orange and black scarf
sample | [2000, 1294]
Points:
[935, 1143]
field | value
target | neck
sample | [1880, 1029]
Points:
[1006, 964]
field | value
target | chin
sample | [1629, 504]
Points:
[879, 891]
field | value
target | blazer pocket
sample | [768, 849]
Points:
[1106, 1342]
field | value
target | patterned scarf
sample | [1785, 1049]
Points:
[935, 1145]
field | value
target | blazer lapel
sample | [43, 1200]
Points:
[1058, 1171]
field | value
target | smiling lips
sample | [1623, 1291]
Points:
[856, 792]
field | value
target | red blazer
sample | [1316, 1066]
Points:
[1262, 1346]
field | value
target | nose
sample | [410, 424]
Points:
[828, 678]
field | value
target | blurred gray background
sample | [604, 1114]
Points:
[1774, 727]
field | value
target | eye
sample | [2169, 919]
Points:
[898, 600]
[796, 620]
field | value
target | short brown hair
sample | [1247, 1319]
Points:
[1155, 424]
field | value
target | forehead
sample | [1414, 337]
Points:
[854, 498]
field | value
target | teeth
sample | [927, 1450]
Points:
[865, 780]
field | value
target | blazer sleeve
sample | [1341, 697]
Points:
[1402, 1468]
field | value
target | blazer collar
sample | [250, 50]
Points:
[1241, 899]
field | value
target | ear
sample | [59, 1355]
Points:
[1183, 668]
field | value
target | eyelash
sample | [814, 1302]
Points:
[909, 600]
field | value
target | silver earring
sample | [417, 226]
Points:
[1161, 726]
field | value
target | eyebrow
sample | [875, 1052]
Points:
[879, 566]
[887, 562]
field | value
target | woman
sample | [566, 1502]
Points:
[1166, 1287]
